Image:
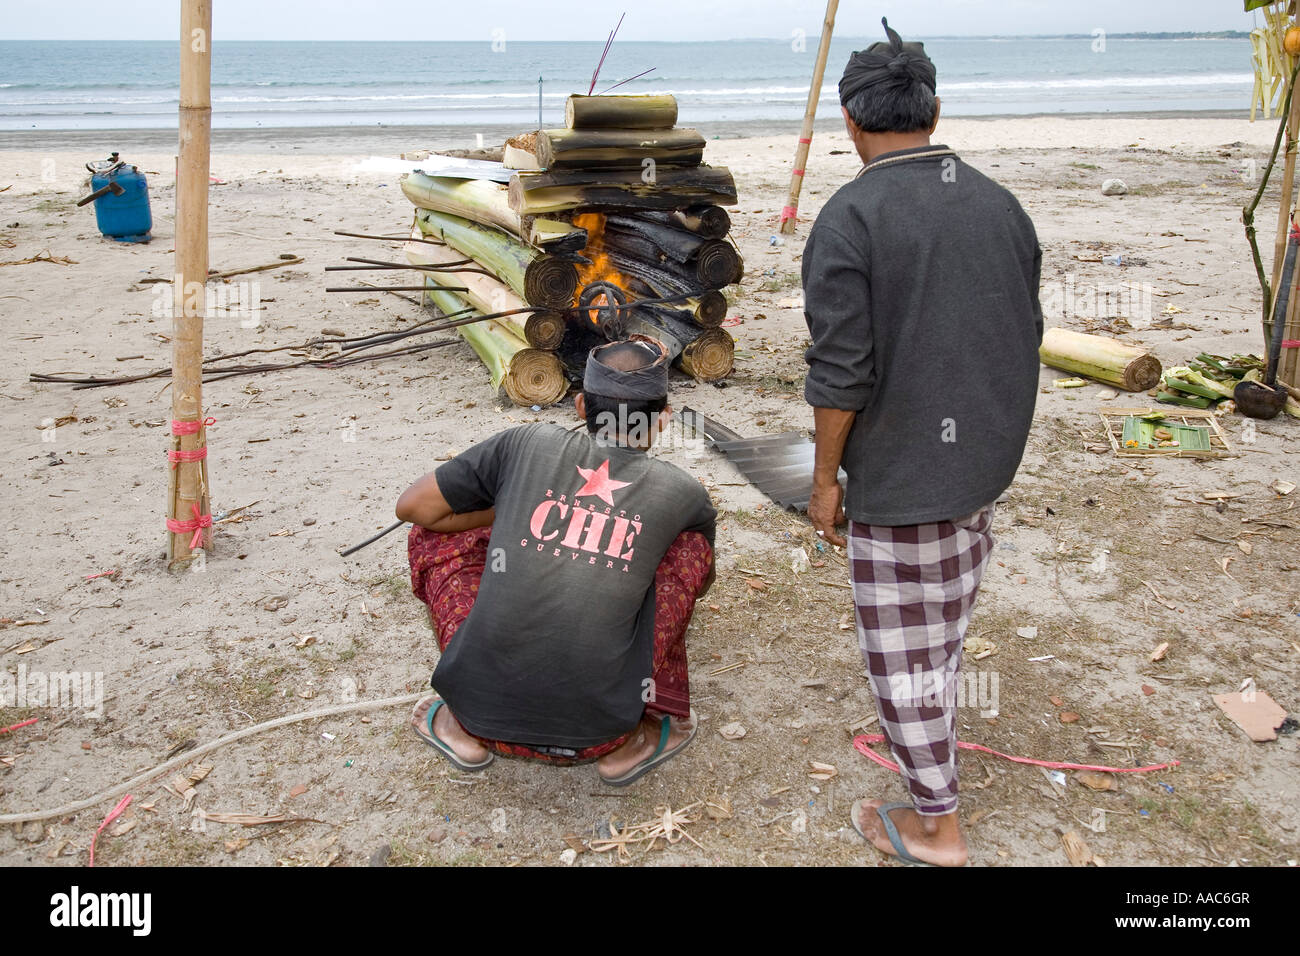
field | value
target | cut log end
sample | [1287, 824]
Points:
[710, 309]
[550, 282]
[717, 265]
[536, 378]
[1100, 358]
[545, 330]
[710, 357]
[1142, 373]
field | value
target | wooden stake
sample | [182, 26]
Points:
[187, 482]
[791, 210]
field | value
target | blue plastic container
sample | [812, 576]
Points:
[121, 200]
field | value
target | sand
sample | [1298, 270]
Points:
[1099, 554]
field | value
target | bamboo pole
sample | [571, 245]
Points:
[1290, 357]
[1288, 186]
[620, 112]
[187, 481]
[1104, 359]
[791, 210]
[529, 376]
[540, 278]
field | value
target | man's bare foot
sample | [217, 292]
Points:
[467, 748]
[641, 745]
[936, 840]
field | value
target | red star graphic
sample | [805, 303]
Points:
[599, 483]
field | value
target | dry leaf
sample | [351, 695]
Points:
[1056, 701]
[199, 772]
[125, 827]
[253, 820]
[719, 809]
[298, 790]
[575, 843]
[757, 585]
[1067, 716]
[1245, 547]
[234, 846]
[1075, 849]
[979, 647]
[1096, 780]
[1283, 487]
[732, 731]
[305, 640]
[1159, 653]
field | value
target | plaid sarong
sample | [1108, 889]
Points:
[914, 587]
[445, 574]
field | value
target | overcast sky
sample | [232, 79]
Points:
[524, 20]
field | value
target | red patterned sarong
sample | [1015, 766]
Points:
[445, 574]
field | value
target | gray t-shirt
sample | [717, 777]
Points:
[561, 636]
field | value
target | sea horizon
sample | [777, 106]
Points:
[287, 84]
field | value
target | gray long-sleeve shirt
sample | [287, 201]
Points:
[921, 295]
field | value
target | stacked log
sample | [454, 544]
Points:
[608, 228]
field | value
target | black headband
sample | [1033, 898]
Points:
[895, 64]
[641, 384]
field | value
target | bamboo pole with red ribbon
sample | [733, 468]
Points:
[791, 211]
[189, 521]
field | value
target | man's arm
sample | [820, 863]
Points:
[825, 507]
[841, 370]
[424, 505]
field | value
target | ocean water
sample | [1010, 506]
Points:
[133, 85]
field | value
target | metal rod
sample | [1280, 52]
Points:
[459, 265]
[372, 539]
[407, 265]
[394, 288]
[361, 235]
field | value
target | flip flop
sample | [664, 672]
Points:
[891, 831]
[660, 754]
[444, 748]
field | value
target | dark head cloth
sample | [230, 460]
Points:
[895, 64]
[633, 370]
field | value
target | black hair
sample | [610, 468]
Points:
[629, 419]
[880, 109]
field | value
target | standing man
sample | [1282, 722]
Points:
[921, 287]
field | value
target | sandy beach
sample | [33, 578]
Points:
[1107, 558]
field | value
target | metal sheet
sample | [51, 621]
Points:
[780, 466]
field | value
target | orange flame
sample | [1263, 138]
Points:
[601, 268]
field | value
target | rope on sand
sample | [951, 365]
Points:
[189, 755]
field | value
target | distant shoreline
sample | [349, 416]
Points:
[1192, 35]
[348, 139]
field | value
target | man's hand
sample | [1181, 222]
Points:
[825, 509]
